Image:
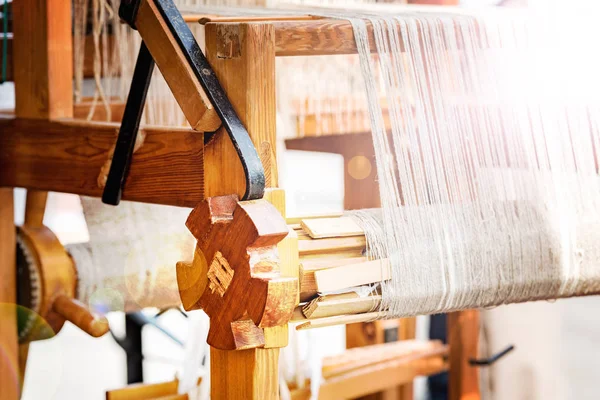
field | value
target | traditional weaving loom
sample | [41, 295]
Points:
[484, 200]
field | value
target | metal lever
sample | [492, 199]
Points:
[486, 362]
[253, 168]
[130, 125]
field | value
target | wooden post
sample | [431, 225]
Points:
[9, 346]
[243, 58]
[463, 335]
[43, 75]
[43, 71]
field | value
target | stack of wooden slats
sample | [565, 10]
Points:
[338, 284]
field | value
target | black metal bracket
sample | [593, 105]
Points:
[253, 169]
[130, 124]
[486, 362]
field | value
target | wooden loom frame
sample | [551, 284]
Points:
[43, 149]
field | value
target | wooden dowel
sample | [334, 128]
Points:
[78, 314]
[35, 208]
[340, 320]
[340, 304]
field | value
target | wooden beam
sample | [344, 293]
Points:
[175, 68]
[317, 37]
[243, 58]
[67, 156]
[9, 346]
[43, 52]
[463, 337]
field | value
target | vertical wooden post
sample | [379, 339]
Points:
[43, 76]
[43, 71]
[463, 335]
[9, 346]
[243, 57]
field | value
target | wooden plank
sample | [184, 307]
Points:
[308, 284]
[68, 156]
[463, 337]
[380, 376]
[317, 37]
[243, 58]
[175, 68]
[82, 111]
[9, 346]
[332, 245]
[244, 374]
[347, 276]
[144, 391]
[331, 227]
[360, 357]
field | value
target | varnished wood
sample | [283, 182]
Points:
[175, 68]
[68, 156]
[9, 350]
[35, 207]
[57, 275]
[380, 377]
[144, 391]
[239, 283]
[43, 52]
[463, 337]
[244, 374]
[317, 37]
[243, 58]
[75, 312]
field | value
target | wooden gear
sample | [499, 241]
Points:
[44, 149]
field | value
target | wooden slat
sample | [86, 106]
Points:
[144, 391]
[254, 18]
[9, 347]
[331, 227]
[82, 110]
[67, 157]
[175, 68]
[380, 376]
[316, 37]
[352, 275]
[361, 357]
[332, 245]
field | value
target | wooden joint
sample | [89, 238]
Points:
[241, 288]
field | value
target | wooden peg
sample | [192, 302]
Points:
[76, 313]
